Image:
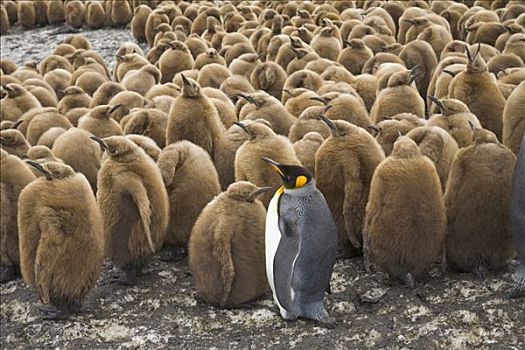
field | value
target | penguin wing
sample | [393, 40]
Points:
[285, 257]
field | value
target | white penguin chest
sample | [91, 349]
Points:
[272, 237]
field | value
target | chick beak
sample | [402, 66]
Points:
[242, 126]
[114, 108]
[185, 80]
[438, 103]
[276, 166]
[39, 167]
[328, 122]
[260, 190]
[247, 98]
[17, 124]
[100, 142]
[320, 99]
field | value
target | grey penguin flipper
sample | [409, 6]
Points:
[283, 262]
[518, 220]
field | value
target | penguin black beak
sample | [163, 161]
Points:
[260, 190]
[328, 122]
[451, 73]
[242, 126]
[276, 166]
[320, 99]
[373, 127]
[100, 142]
[409, 21]
[247, 98]
[414, 72]
[438, 103]
[8, 89]
[469, 55]
[40, 168]
[115, 107]
[185, 80]
[287, 91]
[17, 124]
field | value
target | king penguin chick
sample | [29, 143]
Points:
[192, 182]
[518, 220]
[13, 142]
[347, 159]
[226, 250]
[193, 117]
[17, 102]
[514, 118]
[134, 205]
[61, 237]
[478, 201]
[262, 141]
[14, 176]
[438, 145]
[400, 96]
[300, 244]
[306, 148]
[405, 222]
[479, 91]
[99, 122]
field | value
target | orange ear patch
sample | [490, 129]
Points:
[300, 181]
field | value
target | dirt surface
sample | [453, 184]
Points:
[453, 311]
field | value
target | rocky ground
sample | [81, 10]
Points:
[453, 311]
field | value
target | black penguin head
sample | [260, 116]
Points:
[293, 176]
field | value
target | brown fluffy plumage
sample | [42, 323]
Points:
[405, 221]
[61, 237]
[478, 197]
[226, 250]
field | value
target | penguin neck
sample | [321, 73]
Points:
[301, 191]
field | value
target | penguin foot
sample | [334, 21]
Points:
[481, 271]
[325, 319]
[128, 279]
[7, 273]
[56, 314]
[408, 280]
[173, 254]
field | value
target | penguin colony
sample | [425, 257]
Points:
[262, 139]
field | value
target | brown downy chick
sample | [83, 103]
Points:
[121, 13]
[99, 122]
[194, 118]
[354, 56]
[74, 97]
[455, 118]
[309, 121]
[439, 146]
[262, 142]
[95, 15]
[192, 182]
[78, 151]
[213, 75]
[141, 80]
[147, 144]
[306, 148]
[105, 93]
[348, 158]
[26, 14]
[176, 59]
[298, 100]
[43, 122]
[478, 198]
[514, 119]
[210, 56]
[128, 62]
[61, 237]
[419, 54]
[134, 205]
[224, 156]
[264, 106]
[138, 22]
[400, 96]
[302, 79]
[404, 185]
[74, 13]
[148, 122]
[269, 77]
[17, 101]
[326, 43]
[479, 91]
[226, 250]
[348, 107]
[14, 176]
[50, 135]
[389, 130]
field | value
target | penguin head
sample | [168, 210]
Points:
[293, 176]
[256, 130]
[190, 88]
[39, 152]
[245, 191]
[119, 148]
[53, 170]
[11, 137]
[14, 90]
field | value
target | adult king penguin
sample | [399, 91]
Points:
[301, 242]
